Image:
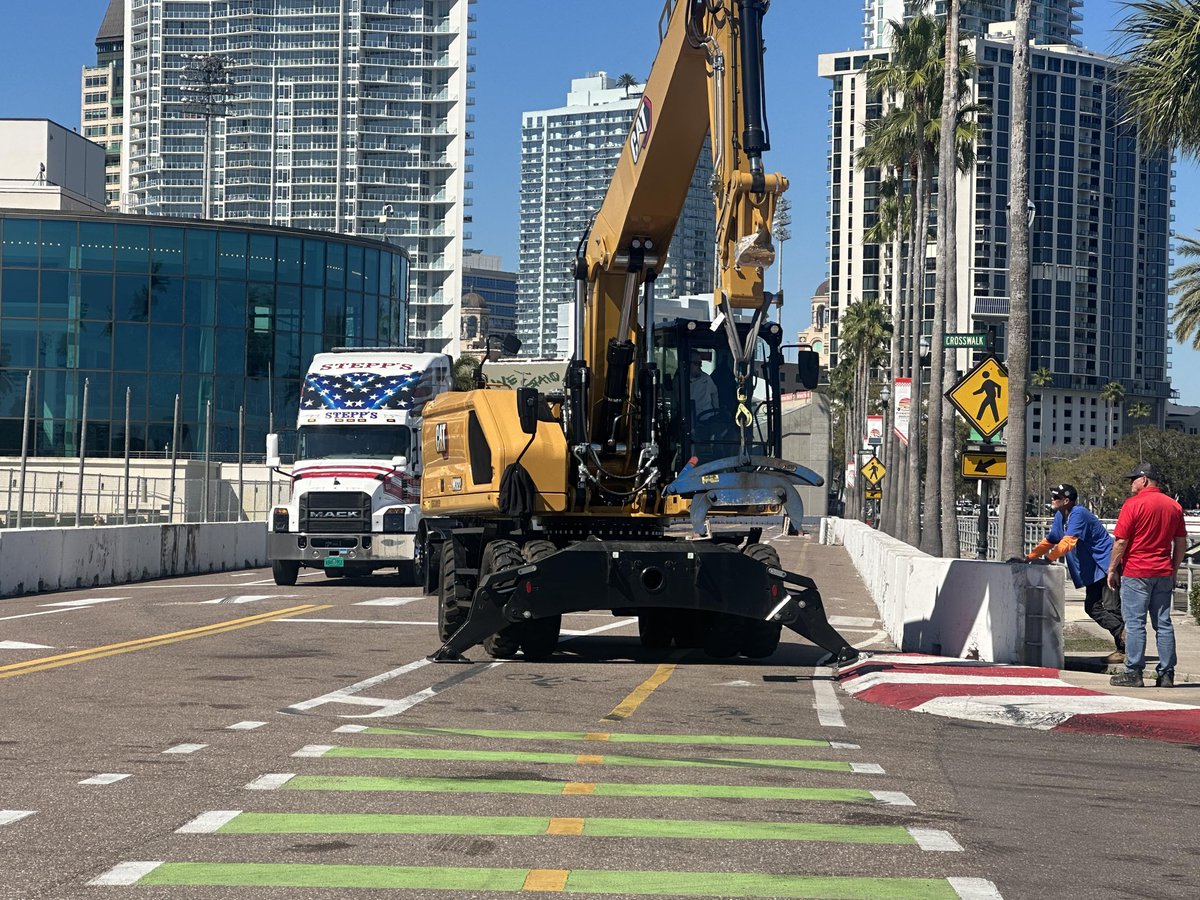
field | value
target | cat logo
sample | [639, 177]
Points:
[440, 441]
[639, 136]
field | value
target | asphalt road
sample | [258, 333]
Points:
[587, 774]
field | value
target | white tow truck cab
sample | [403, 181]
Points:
[356, 485]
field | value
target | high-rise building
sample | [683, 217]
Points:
[1099, 239]
[568, 155]
[322, 114]
[490, 295]
[1050, 21]
[102, 97]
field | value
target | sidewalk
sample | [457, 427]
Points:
[1088, 646]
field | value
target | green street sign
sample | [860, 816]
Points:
[963, 339]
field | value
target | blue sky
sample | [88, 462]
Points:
[528, 52]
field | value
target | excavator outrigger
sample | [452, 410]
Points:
[537, 505]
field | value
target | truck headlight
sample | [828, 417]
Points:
[393, 521]
[279, 519]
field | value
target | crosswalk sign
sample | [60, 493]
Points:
[873, 470]
[982, 397]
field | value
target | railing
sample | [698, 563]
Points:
[59, 498]
[968, 535]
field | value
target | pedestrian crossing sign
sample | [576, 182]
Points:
[982, 397]
[873, 470]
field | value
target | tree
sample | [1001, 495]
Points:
[1042, 378]
[627, 80]
[1185, 284]
[1012, 537]
[864, 331]
[1161, 50]
[1112, 394]
[463, 373]
[1137, 411]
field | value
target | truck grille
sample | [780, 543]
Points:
[332, 512]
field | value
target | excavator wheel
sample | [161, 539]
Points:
[655, 628]
[499, 555]
[454, 597]
[539, 637]
[761, 639]
[723, 636]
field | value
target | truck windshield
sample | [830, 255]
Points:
[353, 441]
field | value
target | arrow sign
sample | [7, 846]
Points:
[874, 470]
[984, 465]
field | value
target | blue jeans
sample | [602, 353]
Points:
[1148, 595]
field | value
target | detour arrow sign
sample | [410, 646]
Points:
[984, 465]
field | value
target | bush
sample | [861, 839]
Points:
[1194, 602]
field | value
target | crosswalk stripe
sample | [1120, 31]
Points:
[108, 778]
[8, 816]
[270, 782]
[125, 873]
[209, 822]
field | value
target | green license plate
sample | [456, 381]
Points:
[335, 562]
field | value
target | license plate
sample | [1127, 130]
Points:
[335, 562]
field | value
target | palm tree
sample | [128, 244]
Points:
[1112, 394]
[1185, 284]
[1043, 377]
[464, 373]
[1137, 411]
[1012, 537]
[627, 81]
[863, 332]
[1161, 49]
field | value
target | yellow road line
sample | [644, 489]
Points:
[629, 705]
[66, 659]
[579, 787]
[545, 880]
[597, 736]
[565, 826]
[590, 760]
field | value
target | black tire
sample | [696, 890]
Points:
[285, 571]
[761, 639]
[723, 636]
[655, 628]
[497, 556]
[454, 597]
[406, 571]
[335, 573]
[539, 637]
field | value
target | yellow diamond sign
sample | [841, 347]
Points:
[873, 470]
[982, 397]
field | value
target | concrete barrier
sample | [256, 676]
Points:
[965, 608]
[54, 559]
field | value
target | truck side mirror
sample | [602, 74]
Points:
[399, 462]
[510, 345]
[809, 365]
[273, 451]
[527, 409]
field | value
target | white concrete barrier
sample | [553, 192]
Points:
[53, 559]
[963, 608]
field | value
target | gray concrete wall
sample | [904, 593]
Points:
[52, 559]
[806, 430]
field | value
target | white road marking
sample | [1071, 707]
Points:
[21, 645]
[245, 726]
[313, 750]
[842, 745]
[209, 822]
[866, 768]
[852, 622]
[612, 626]
[270, 782]
[88, 601]
[48, 612]
[935, 839]
[246, 598]
[112, 778]
[1042, 712]
[892, 798]
[388, 601]
[125, 874]
[974, 889]
[397, 707]
[349, 729]
[185, 748]
[8, 816]
[242, 574]
[875, 679]
[738, 683]
[340, 696]
[825, 702]
[359, 621]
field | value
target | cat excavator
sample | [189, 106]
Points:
[608, 493]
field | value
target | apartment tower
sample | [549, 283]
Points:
[102, 97]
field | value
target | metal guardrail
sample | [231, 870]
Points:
[57, 499]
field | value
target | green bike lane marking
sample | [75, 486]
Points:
[576, 881]
[441, 755]
[237, 822]
[599, 736]
[292, 782]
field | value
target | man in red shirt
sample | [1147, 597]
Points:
[1150, 540]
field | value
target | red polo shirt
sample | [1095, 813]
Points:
[1150, 521]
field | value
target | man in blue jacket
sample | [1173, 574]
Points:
[1078, 536]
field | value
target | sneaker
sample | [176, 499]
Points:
[1128, 678]
[1116, 657]
[1165, 679]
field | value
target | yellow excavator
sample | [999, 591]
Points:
[539, 504]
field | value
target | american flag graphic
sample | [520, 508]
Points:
[364, 390]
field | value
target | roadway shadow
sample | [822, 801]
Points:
[625, 649]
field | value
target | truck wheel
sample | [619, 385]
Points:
[454, 598]
[499, 555]
[723, 636]
[539, 637]
[761, 639]
[654, 628]
[285, 571]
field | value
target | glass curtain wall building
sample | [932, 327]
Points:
[102, 99]
[162, 307]
[568, 156]
[347, 117]
[1050, 21]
